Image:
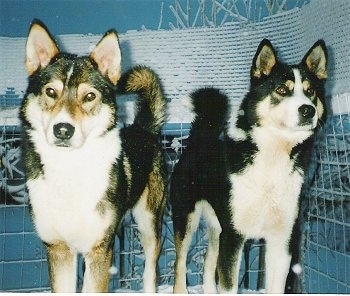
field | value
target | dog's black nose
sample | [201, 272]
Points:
[63, 131]
[307, 111]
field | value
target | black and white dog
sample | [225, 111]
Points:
[83, 171]
[245, 178]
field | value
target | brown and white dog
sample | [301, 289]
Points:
[83, 171]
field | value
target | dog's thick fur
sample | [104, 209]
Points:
[245, 178]
[83, 172]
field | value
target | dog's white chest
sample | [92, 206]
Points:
[65, 198]
[264, 199]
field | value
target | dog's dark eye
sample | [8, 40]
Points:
[282, 90]
[310, 91]
[51, 93]
[89, 97]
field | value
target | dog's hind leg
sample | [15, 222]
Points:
[182, 245]
[151, 243]
[229, 259]
[62, 267]
[214, 230]
[148, 213]
[98, 263]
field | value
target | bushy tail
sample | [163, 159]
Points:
[210, 107]
[151, 103]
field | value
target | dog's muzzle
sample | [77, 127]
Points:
[306, 114]
[63, 132]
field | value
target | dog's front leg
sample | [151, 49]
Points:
[98, 263]
[62, 267]
[294, 278]
[229, 260]
[277, 264]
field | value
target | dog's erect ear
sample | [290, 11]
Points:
[264, 59]
[316, 59]
[107, 55]
[40, 47]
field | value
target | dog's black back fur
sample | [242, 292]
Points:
[201, 165]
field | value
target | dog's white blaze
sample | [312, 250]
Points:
[298, 84]
[69, 74]
[75, 181]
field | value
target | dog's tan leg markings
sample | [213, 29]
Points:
[98, 262]
[214, 230]
[62, 267]
[148, 214]
[149, 206]
[182, 246]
